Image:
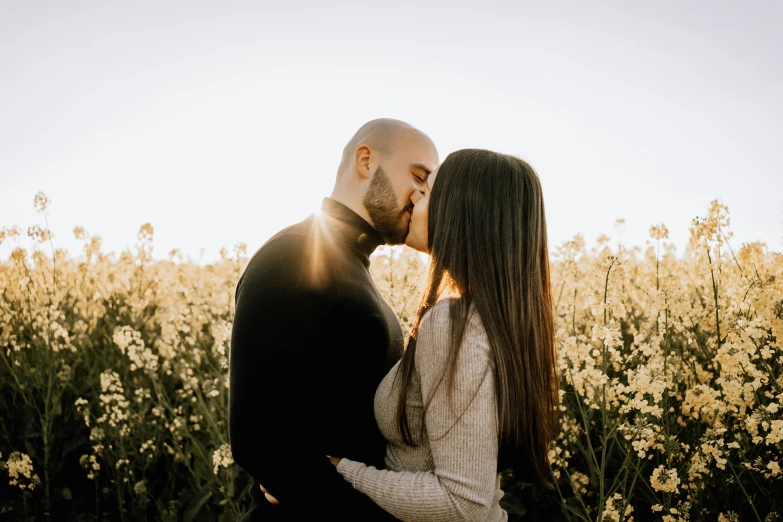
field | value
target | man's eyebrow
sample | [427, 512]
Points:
[421, 167]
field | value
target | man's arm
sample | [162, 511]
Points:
[280, 316]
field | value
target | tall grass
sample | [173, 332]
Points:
[113, 380]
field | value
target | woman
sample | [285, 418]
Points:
[476, 391]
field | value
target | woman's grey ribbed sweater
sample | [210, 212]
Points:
[452, 474]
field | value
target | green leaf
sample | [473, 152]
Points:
[573, 511]
[30, 449]
[195, 506]
[512, 505]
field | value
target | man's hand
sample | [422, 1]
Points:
[269, 498]
[273, 500]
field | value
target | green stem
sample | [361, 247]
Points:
[578, 495]
[758, 517]
[604, 364]
[626, 495]
[715, 297]
[587, 430]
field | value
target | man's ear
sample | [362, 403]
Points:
[361, 158]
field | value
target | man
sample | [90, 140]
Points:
[312, 337]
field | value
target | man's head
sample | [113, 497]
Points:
[383, 170]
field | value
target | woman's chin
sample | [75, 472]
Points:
[415, 244]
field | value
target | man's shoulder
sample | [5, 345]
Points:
[287, 256]
[289, 244]
[292, 235]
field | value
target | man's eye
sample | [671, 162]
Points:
[420, 179]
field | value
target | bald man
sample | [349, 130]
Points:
[313, 337]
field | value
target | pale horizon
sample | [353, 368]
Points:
[223, 124]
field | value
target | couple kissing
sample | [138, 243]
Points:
[336, 416]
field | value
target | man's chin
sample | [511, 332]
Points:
[393, 238]
[396, 241]
[398, 237]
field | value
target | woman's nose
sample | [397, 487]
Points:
[416, 196]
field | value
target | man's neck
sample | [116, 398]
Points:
[353, 203]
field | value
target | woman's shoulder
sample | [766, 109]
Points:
[434, 338]
[438, 318]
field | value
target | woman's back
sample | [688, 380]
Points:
[457, 440]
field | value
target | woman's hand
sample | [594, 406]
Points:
[335, 460]
[269, 498]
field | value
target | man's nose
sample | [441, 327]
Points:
[416, 196]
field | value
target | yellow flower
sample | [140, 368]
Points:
[20, 471]
[659, 231]
[665, 480]
[222, 458]
[775, 434]
[41, 202]
[145, 232]
[39, 234]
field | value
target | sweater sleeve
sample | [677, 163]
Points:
[462, 435]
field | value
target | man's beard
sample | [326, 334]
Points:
[381, 204]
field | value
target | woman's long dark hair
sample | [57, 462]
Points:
[488, 241]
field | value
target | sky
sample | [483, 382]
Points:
[223, 122]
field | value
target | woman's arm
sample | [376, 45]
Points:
[464, 445]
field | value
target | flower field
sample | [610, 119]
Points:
[113, 380]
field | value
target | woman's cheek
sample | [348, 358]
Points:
[422, 223]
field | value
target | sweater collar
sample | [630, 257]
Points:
[352, 229]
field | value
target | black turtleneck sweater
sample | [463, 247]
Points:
[311, 341]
